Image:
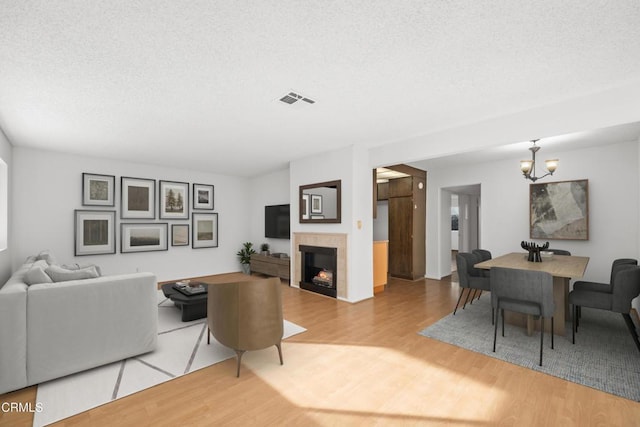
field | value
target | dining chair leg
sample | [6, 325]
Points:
[574, 313]
[495, 328]
[632, 329]
[208, 336]
[467, 298]
[239, 354]
[552, 332]
[502, 313]
[459, 298]
[541, 337]
[279, 346]
[479, 294]
[473, 297]
[492, 319]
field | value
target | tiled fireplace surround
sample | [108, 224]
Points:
[328, 240]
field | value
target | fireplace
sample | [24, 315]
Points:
[318, 269]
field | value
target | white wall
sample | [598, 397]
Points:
[5, 255]
[612, 171]
[271, 189]
[47, 188]
[351, 165]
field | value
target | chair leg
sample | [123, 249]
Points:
[552, 332]
[632, 329]
[473, 297]
[467, 298]
[459, 298]
[239, 354]
[492, 319]
[208, 336]
[502, 312]
[541, 337]
[495, 329]
[578, 316]
[280, 352]
[479, 294]
[574, 313]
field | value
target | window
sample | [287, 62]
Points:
[4, 205]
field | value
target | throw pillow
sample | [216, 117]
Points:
[36, 275]
[48, 256]
[59, 274]
[77, 266]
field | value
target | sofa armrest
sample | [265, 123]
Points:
[81, 324]
[13, 337]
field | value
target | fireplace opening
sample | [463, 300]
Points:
[318, 270]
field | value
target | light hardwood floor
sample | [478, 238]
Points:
[361, 364]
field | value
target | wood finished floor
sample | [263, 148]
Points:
[360, 364]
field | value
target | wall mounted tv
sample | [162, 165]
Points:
[276, 221]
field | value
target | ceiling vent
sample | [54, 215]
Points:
[293, 97]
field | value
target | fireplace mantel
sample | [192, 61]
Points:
[330, 240]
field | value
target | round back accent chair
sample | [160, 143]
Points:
[246, 316]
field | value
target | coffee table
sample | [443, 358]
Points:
[192, 306]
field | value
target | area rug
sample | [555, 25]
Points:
[604, 356]
[182, 348]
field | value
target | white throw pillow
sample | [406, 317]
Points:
[36, 275]
[81, 266]
[59, 274]
[48, 256]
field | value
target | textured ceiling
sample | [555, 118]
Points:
[196, 83]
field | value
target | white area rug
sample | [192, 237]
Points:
[182, 348]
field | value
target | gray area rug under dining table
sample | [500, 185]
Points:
[604, 356]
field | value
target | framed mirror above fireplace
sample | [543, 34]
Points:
[321, 202]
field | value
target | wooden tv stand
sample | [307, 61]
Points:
[271, 265]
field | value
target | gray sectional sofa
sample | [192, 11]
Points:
[52, 329]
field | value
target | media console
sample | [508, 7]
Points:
[271, 265]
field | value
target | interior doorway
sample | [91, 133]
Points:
[461, 225]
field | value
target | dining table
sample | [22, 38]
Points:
[563, 268]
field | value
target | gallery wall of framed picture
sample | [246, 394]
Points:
[177, 221]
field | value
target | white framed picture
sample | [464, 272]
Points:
[174, 200]
[95, 232]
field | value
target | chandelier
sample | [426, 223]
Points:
[528, 167]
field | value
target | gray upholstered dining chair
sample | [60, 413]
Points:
[484, 255]
[470, 278]
[559, 251]
[624, 288]
[523, 291]
[246, 315]
[583, 285]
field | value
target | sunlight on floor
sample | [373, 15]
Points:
[313, 377]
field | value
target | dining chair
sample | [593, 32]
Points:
[523, 291]
[624, 288]
[583, 285]
[483, 255]
[470, 278]
[559, 251]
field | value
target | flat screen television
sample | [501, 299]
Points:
[276, 221]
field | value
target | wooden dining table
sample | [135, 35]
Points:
[563, 268]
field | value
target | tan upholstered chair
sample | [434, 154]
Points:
[246, 315]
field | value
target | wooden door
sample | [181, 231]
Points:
[401, 237]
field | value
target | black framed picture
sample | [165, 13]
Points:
[174, 200]
[95, 232]
[205, 230]
[138, 198]
[143, 237]
[98, 190]
[203, 196]
[316, 204]
[179, 234]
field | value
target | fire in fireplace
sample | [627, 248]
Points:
[318, 270]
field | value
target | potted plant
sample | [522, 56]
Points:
[245, 256]
[264, 249]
